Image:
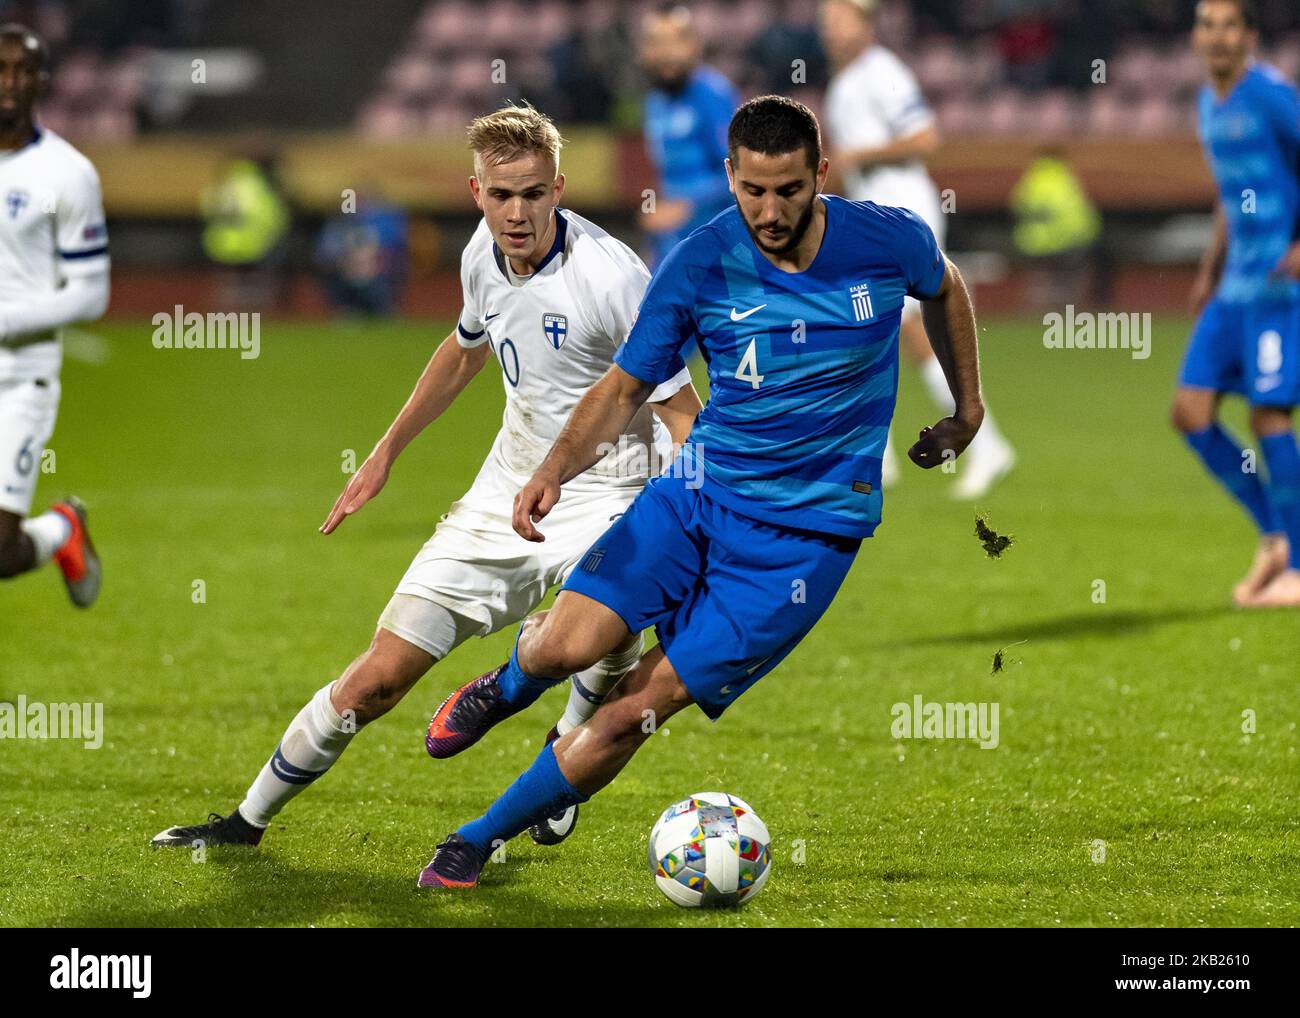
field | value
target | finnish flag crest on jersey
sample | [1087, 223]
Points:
[556, 328]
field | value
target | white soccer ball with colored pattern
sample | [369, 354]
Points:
[710, 850]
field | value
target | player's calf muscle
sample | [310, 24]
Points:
[374, 683]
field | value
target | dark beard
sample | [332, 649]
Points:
[674, 85]
[796, 232]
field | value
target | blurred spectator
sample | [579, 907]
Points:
[1057, 229]
[247, 224]
[361, 256]
[774, 51]
[687, 112]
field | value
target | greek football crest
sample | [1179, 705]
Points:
[15, 202]
[861, 297]
[556, 328]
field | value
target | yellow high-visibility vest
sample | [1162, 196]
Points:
[1053, 213]
[246, 217]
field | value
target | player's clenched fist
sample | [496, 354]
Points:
[534, 501]
[946, 440]
[364, 485]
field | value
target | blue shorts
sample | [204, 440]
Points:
[729, 596]
[1252, 349]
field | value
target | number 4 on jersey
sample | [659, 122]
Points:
[748, 369]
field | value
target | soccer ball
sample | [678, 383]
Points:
[710, 850]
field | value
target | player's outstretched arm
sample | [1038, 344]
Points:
[449, 370]
[80, 299]
[594, 426]
[950, 323]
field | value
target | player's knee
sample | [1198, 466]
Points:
[556, 652]
[371, 688]
[1190, 415]
[1266, 421]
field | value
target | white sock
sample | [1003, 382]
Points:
[988, 435]
[588, 689]
[311, 743]
[937, 383]
[49, 532]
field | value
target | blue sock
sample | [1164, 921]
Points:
[539, 792]
[521, 689]
[1283, 458]
[1223, 458]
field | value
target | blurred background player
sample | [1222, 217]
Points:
[53, 272]
[361, 256]
[1056, 233]
[1247, 338]
[552, 296]
[687, 110]
[880, 131]
[247, 228]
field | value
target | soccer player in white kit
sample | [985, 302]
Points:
[550, 296]
[881, 129]
[53, 272]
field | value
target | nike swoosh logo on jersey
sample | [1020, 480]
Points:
[740, 318]
[488, 318]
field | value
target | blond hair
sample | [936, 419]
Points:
[511, 133]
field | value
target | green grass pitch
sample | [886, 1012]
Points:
[1120, 722]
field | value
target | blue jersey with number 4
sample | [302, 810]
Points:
[803, 367]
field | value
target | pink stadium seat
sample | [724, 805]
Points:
[1155, 117]
[504, 27]
[1286, 55]
[415, 78]
[78, 77]
[1056, 114]
[549, 22]
[469, 77]
[1131, 69]
[1007, 112]
[385, 117]
[983, 65]
[960, 115]
[941, 69]
[450, 26]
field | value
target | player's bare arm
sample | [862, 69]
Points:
[598, 419]
[678, 412]
[950, 323]
[449, 370]
[918, 145]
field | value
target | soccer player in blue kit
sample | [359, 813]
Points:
[1247, 338]
[687, 110]
[795, 298]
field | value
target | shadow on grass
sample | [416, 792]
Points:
[1101, 621]
[263, 890]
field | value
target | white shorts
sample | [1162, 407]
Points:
[28, 411]
[476, 566]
